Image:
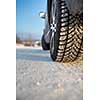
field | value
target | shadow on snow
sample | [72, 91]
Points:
[32, 54]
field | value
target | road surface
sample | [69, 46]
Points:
[39, 78]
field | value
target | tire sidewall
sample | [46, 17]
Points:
[57, 33]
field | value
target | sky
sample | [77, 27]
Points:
[27, 17]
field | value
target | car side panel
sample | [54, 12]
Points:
[46, 31]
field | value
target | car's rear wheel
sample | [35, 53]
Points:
[67, 33]
[45, 46]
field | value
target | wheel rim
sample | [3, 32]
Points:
[53, 24]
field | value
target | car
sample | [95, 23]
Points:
[63, 33]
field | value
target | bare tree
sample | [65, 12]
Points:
[18, 40]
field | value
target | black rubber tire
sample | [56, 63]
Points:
[68, 38]
[45, 46]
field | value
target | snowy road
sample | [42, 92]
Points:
[39, 78]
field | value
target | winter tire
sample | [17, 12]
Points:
[67, 33]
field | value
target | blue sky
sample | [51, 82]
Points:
[27, 16]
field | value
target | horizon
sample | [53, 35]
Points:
[25, 36]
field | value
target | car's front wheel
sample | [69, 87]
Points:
[67, 33]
